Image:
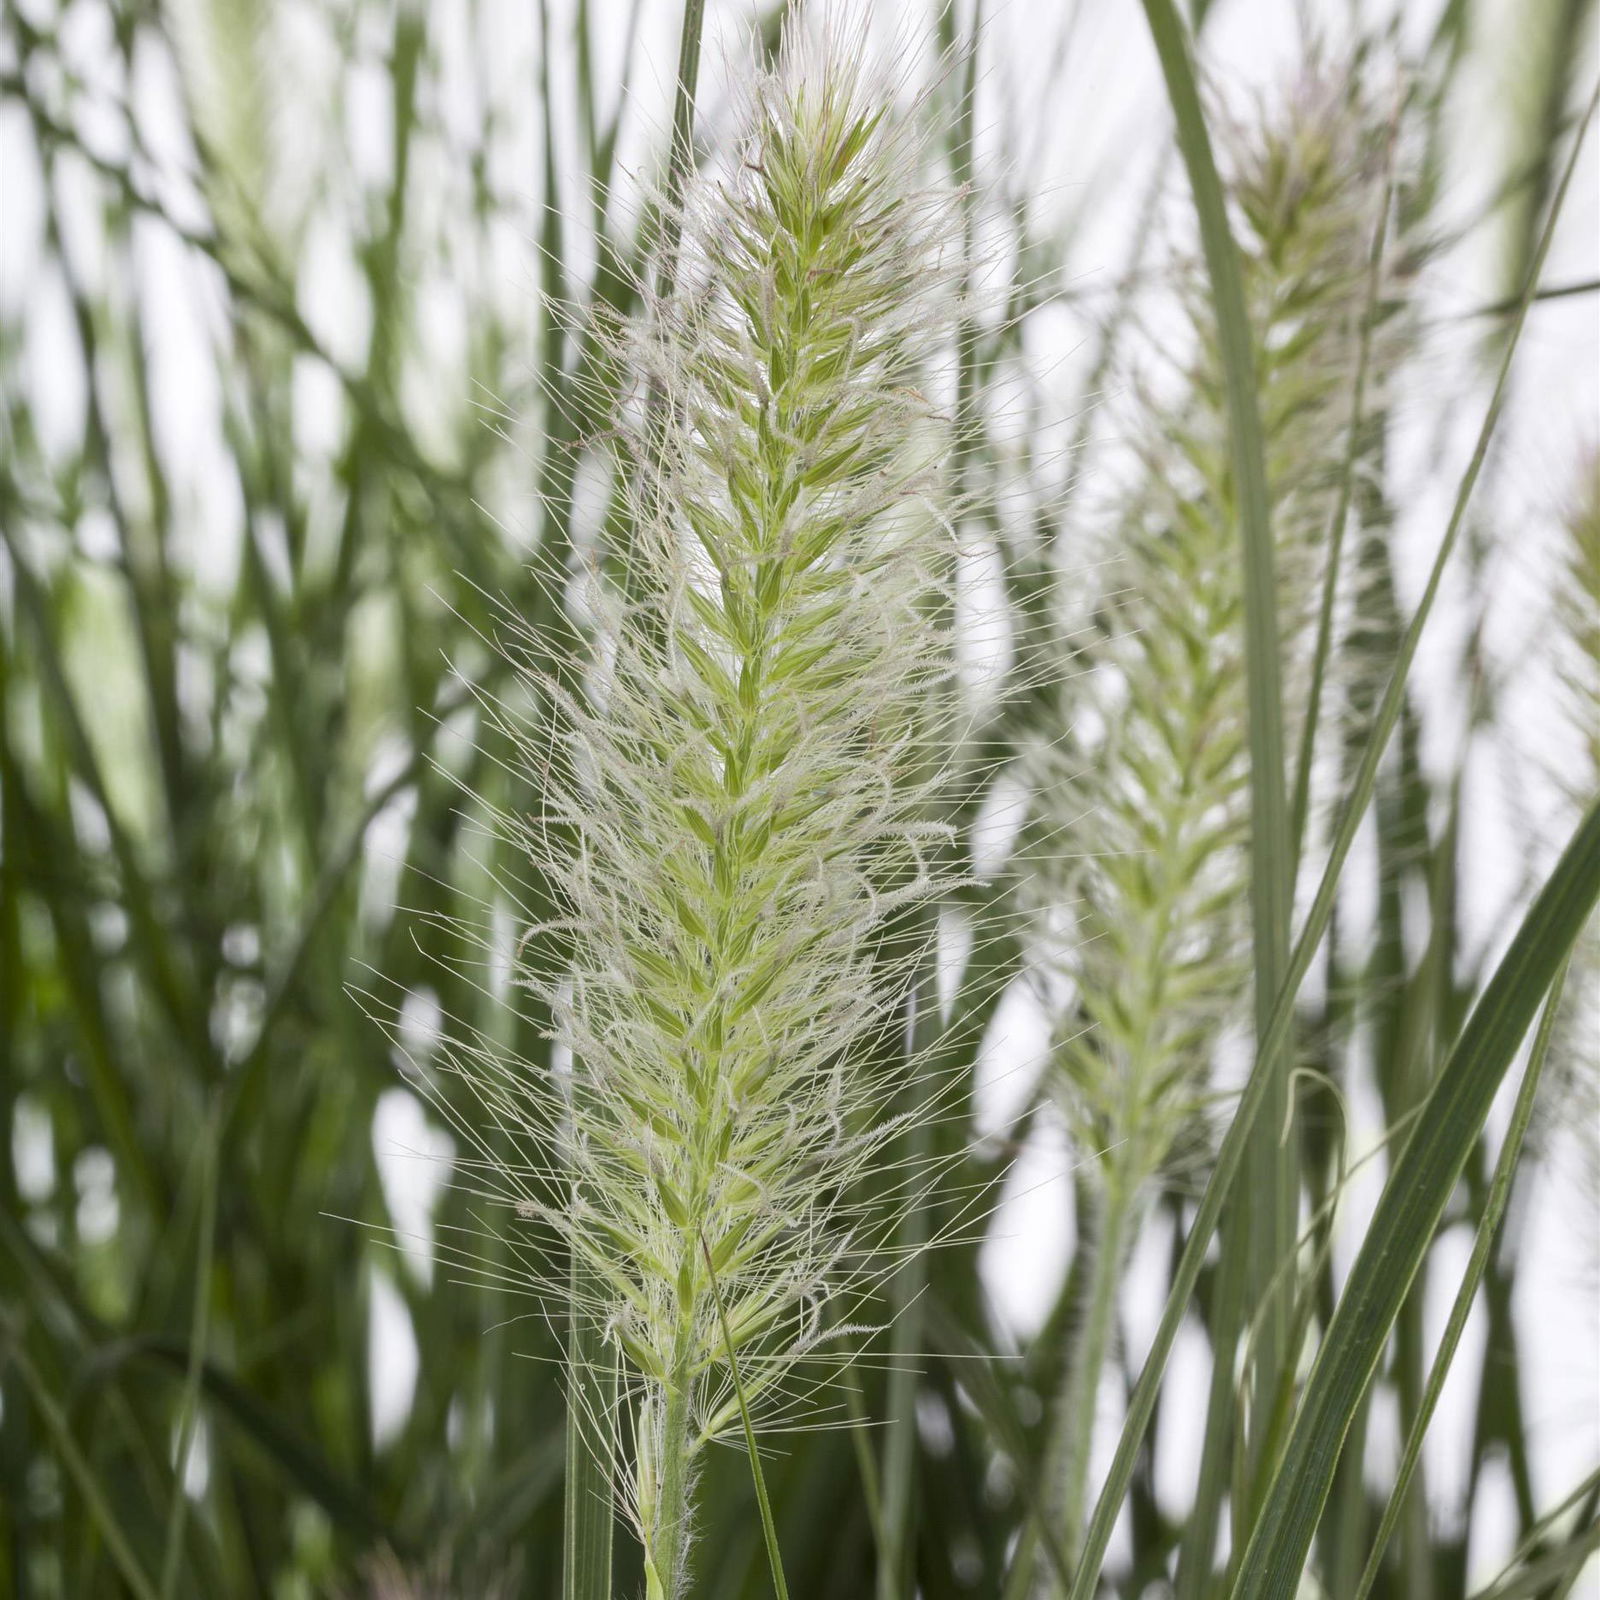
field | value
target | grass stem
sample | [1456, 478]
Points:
[199, 1324]
[768, 1531]
[1086, 1368]
[665, 1509]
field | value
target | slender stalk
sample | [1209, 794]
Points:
[1113, 1232]
[897, 1523]
[1198, 1550]
[866, 1461]
[666, 1520]
[587, 1509]
[1588, 1516]
[768, 1532]
[199, 1323]
[83, 1477]
[1528, 1573]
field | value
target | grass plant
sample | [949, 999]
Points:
[628, 688]
[1150, 789]
[738, 792]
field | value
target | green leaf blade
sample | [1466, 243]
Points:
[1408, 1213]
[1271, 856]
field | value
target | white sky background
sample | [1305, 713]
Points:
[1074, 89]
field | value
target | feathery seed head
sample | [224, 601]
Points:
[737, 802]
[1155, 778]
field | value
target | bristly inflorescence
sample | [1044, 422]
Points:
[738, 797]
[1157, 767]
[1151, 783]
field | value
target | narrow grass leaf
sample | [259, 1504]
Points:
[1483, 1243]
[768, 1532]
[1534, 1569]
[588, 1521]
[1271, 856]
[298, 1462]
[1560, 1567]
[983, 1384]
[83, 1475]
[199, 1326]
[1413, 1201]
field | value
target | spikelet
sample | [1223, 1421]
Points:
[738, 796]
[1571, 1093]
[1578, 616]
